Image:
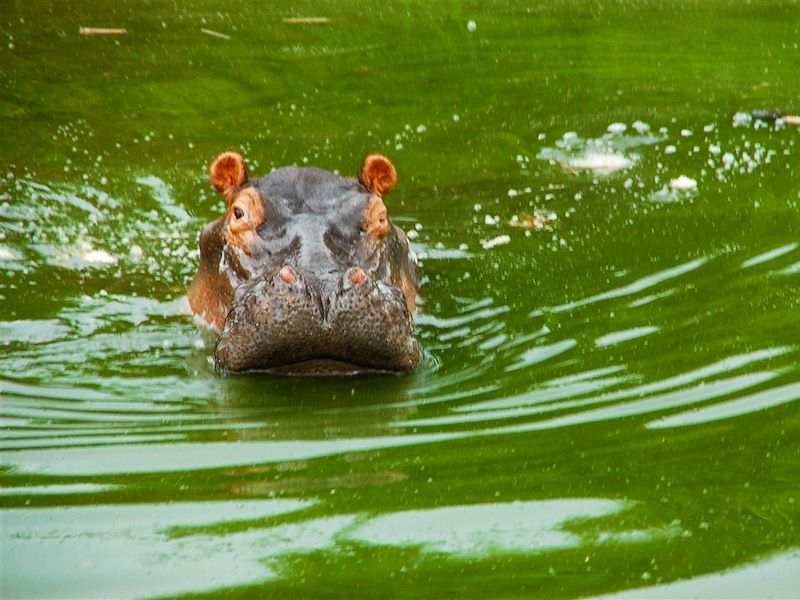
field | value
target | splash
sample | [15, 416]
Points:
[605, 155]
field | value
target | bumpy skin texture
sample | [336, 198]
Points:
[305, 273]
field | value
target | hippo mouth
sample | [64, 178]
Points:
[299, 323]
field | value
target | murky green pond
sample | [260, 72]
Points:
[611, 308]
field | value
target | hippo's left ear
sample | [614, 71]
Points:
[378, 174]
[228, 173]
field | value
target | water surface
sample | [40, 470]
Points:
[610, 250]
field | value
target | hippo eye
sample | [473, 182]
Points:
[376, 219]
[238, 212]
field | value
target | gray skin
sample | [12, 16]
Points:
[311, 291]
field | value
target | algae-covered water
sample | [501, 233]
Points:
[611, 310]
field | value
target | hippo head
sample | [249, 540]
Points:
[305, 272]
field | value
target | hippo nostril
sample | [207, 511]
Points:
[287, 275]
[358, 276]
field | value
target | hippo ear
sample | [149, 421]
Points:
[378, 174]
[227, 173]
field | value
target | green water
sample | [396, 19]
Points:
[608, 402]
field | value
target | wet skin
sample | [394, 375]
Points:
[304, 273]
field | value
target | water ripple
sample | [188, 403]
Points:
[539, 354]
[633, 288]
[698, 393]
[771, 255]
[172, 457]
[733, 408]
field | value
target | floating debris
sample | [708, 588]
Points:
[537, 221]
[617, 128]
[102, 31]
[216, 34]
[773, 116]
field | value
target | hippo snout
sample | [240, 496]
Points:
[289, 317]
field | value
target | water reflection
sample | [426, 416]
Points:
[770, 255]
[165, 549]
[127, 551]
[732, 408]
[189, 456]
[770, 578]
[57, 489]
[482, 529]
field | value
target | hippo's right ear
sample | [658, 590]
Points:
[378, 174]
[228, 173]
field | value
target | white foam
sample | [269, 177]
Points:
[97, 258]
[136, 253]
[665, 194]
[601, 162]
[7, 254]
[742, 119]
[728, 160]
[683, 183]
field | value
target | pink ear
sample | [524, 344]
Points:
[378, 174]
[228, 172]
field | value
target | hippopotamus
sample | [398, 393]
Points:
[305, 273]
